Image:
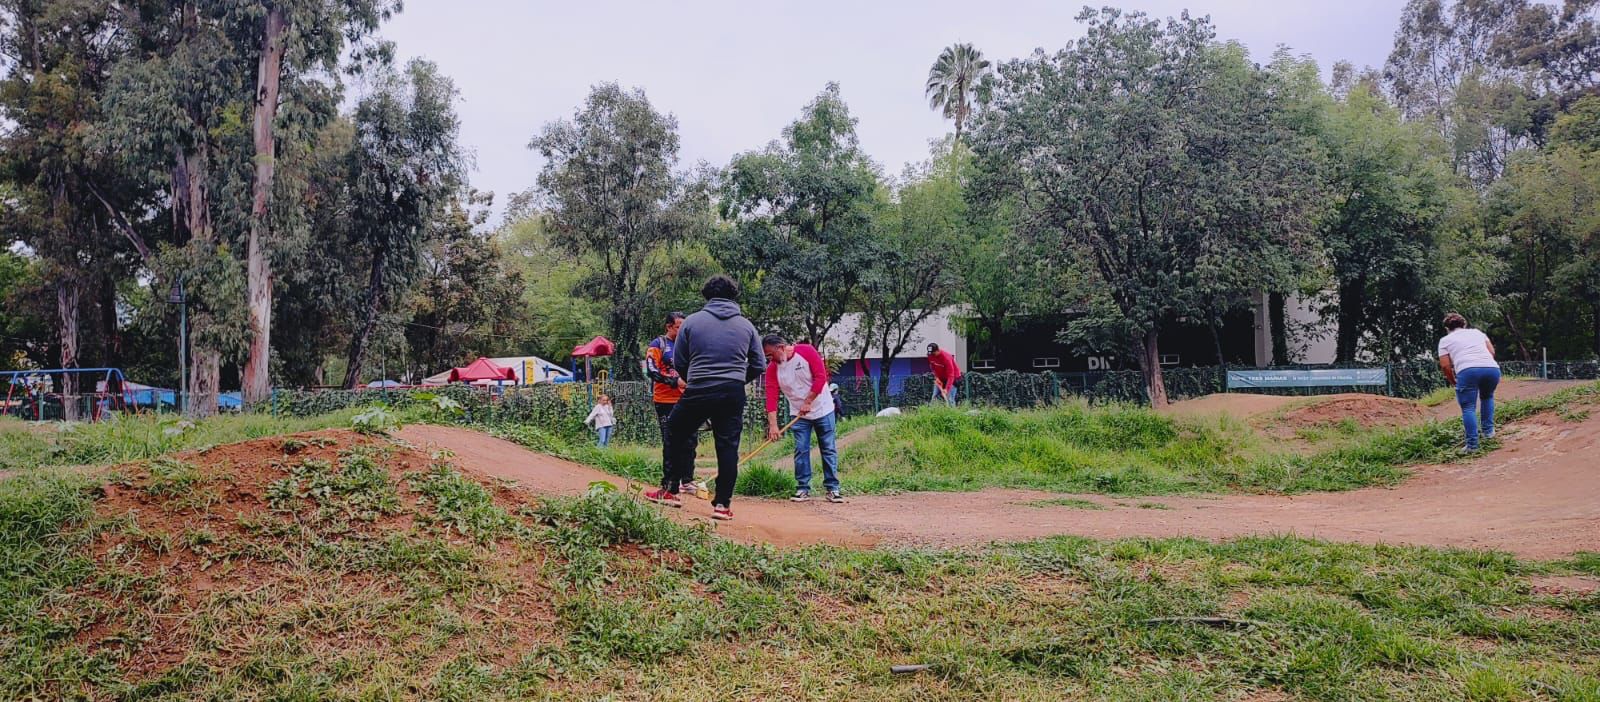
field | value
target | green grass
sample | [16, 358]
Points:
[1073, 502]
[602, 597]
[1122, 450]
[132, 438]
[1438, 397]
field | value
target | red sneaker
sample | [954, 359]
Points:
[660, 496]
[722, 513]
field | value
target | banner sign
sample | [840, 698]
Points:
[1330, 377]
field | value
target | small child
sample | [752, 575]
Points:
[602, 418]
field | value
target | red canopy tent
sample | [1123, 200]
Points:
[482, 369]
[596, 347]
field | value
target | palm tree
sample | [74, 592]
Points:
[953, 80]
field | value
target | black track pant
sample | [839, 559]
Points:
[723, 404]
[669, 479]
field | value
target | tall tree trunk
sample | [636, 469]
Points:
[1277, 316]
[1595, 313]
[1216, 344]
[363, 336]
[205, 380]
[625, 334]
[1150, 368]
[67, 296]
[192, 212]
[110, 339]
[1352, 300]
[257, 380]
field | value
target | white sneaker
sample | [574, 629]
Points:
[801, 496]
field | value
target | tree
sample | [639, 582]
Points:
[558, 317]
[22, 328]
[953, 82]
[1162, 158]
[467, 302]
[58, 55]
[913, 274]
[1548, 207]
[612, 194]
[405, 166]
[802, 212]
[316, 295]
[1389, 199]
[1483, 73]
[309, 36]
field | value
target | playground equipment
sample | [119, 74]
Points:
[57, 393]
[596, 347]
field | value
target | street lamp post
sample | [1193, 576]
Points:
[176, 297]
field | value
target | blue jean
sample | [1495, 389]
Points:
[605, 435]
[950, 400]
[826, 442]
[1475, 393]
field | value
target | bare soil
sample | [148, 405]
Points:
[237, 561]
[1533, 497]
[766, 521]
[1367, 411]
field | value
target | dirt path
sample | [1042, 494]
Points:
[1535, 497]
[768, 521]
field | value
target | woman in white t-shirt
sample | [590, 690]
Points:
[1467, 358]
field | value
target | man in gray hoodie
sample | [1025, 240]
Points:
[718, 351]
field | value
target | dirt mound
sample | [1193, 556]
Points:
[1239, 404]
[1366, 411]
[201, 552]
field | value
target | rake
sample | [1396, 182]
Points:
[702, 491]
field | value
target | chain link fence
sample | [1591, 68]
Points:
[561, 408]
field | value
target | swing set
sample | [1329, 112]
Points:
[42, 394]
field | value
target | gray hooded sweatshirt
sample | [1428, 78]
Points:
[718, 345]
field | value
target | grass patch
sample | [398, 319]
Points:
[761, 480]
[1122, 450]
[1438, 396]
[139, 437]
[1073, 502]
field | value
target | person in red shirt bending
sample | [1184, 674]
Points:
[945, 374]
[797, 371]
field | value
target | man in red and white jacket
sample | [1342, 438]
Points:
[797, 371]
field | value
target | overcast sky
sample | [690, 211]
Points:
[735, 73]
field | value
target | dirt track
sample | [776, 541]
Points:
[1535, 497]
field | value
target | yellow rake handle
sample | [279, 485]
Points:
[745, 458]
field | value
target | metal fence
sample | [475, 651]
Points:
[560, 409]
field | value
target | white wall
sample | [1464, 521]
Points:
[1311, 339]
[936, 329]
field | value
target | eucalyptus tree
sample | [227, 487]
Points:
[301, 43]
[953, 82]
[56, 58]
[405, 166]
